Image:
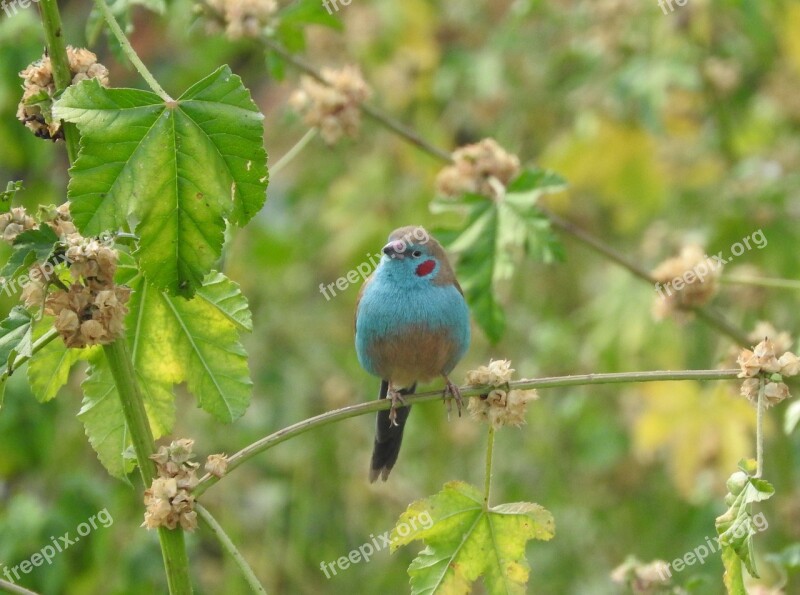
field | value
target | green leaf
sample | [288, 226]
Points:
[7, 195]
[465, 542]
[195, 341]
[48, 368]
[496, 235]
[33, 245]
[15, 339]
[172, 340]
[103, 420]
[182, 168]
[733, 578]
[735, 526]
[536, 179]
[15, 336]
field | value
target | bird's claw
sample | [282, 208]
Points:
[455, 392]
[397, 399]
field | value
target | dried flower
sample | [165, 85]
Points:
[497, 373]
[685, 281]
[238, 18]
[217, 465]
[15, 222]
[168, 500]
[759, 365]
[39, 88]
[333, 108]
[483, 168]
[762, 359]
[501, 406]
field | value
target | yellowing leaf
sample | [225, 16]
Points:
[465, 541]
[172, 340]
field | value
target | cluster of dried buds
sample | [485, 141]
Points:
[483, 168]
[168, 500]
[237, 18]
[333, 106]
[763, 365]
[92, 309]
[39, 88]
[500, 406]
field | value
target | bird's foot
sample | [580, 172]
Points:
[453, 390]
[397, 400]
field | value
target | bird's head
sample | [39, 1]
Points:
[413, 257]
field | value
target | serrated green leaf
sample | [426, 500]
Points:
[182, 167]
[173, 340]
[33, 245]
[48, 368]
[465, 542]
[196, 341]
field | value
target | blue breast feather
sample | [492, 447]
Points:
[386, 310]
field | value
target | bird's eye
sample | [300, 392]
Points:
[416, 254]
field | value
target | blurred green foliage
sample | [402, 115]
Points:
[668, 128]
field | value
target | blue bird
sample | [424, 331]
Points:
[412, 325]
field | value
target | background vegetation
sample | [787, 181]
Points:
[669, 129]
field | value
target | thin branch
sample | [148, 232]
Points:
[487, 480]
[330, 417]
[761, 281]
[129, 52]
[230, 547]
[293, 152]
[760, 428]
[10, 587]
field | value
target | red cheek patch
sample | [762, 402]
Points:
[425, 268]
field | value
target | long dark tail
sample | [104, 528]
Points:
[388, 437]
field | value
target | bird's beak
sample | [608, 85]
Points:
[395, 250]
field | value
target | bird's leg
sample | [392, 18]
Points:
[397, 399]
[451, 388]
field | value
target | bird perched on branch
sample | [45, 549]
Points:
[412, 325]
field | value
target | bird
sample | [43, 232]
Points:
[411, 325]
